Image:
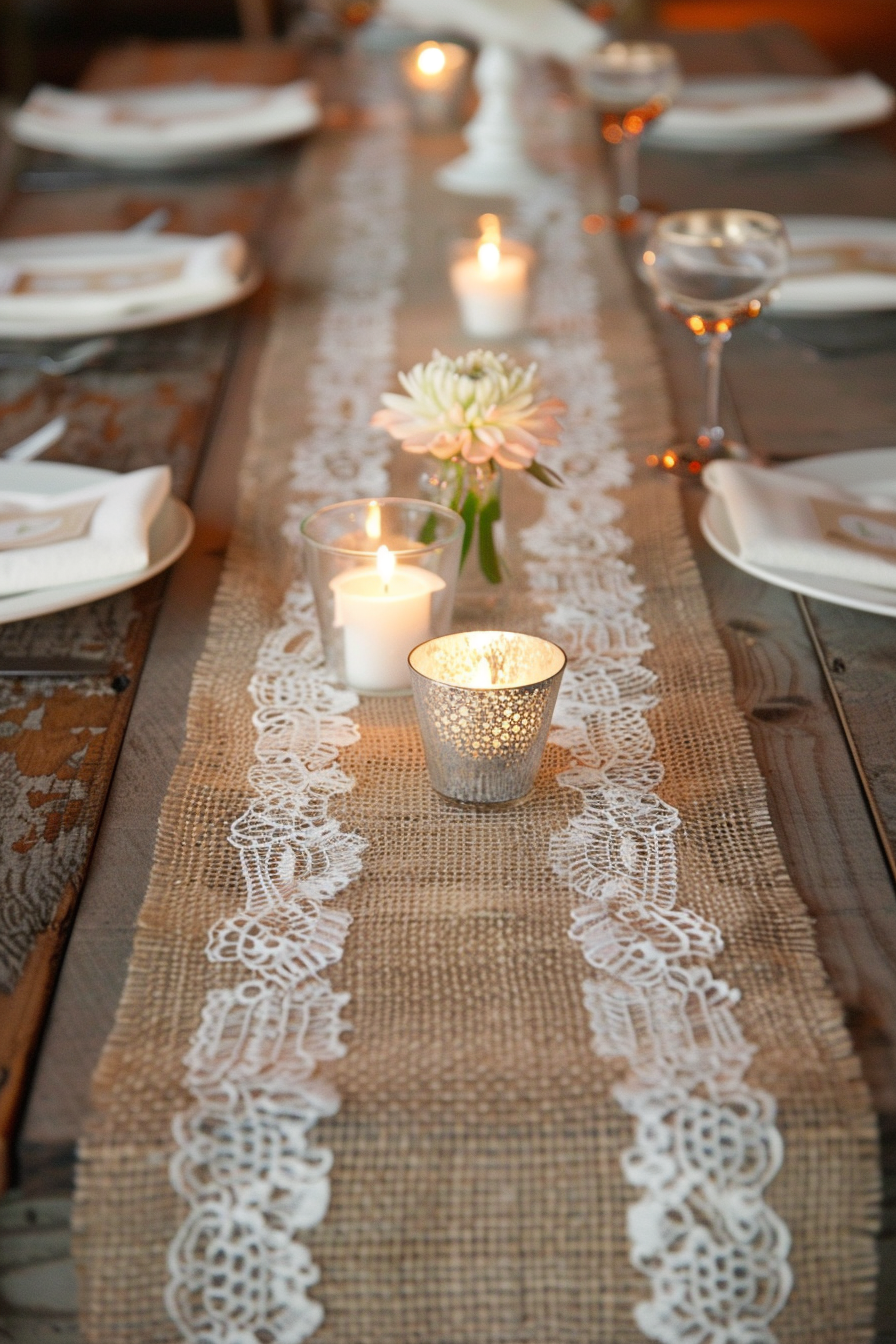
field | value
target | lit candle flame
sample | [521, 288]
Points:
[431, 60]
[373, 524]
[489, 250]
[482, 677]
[385, 565]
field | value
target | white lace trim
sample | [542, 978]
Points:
[254, 1181]
[706, 1145]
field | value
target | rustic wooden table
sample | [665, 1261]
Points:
[814, 681]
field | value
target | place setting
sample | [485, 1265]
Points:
[71, 534]
[167, 126]
[83, 284]
[820, 526]
[769, 112]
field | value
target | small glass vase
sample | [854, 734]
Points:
[473, 491]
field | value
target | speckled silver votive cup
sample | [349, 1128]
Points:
[484, 700]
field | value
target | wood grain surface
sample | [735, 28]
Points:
[152, 399]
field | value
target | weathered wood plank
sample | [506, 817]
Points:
[93, 972]
[152, 400]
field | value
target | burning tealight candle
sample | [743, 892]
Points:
[383, 612]
[485, 700]
[435, 74]
[383, 573]
[491, 281]
[430, 60]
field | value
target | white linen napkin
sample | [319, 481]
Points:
[168, 269]
[783, 521]
[773, 105]
[201, 115]
[840, 291]
[111, 522]
[540, 27]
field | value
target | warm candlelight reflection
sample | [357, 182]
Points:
[373, 525]
[385, 566]
[431, 59]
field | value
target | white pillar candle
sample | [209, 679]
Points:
[383, 614]
[491, 283]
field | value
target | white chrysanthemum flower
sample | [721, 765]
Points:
[481, 407]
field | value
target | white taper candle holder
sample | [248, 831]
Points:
[496, 163]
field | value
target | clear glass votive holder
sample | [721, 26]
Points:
[485, 700]
[436, 77]
[384, 573]
[491, 289]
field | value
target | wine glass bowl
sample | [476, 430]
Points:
[629, 84]
[716, 266]
[713, 269]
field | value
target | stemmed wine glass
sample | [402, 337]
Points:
[713, 269]
[629, 84]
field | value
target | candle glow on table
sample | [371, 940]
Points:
[484, 700]
[491, 282]
[383, 612]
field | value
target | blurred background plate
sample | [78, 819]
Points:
[764, 112]
[65, 319]
[840, 264]
[168, 125]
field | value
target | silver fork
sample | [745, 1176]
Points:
[38, 442]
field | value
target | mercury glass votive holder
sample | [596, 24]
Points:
[383, 573]
[485, 700]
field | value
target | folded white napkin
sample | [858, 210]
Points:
[783, 521]
[841, 291]
[106, 283]
[111, 522]
[198, 116]
[541, 27]
[717, 109]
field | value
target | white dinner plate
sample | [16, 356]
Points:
[66, 319]
[769, 111]
[839, 264]
[165, 126]
[169, 536]
[871, 474]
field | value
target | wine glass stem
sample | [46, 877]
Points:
[714, 345]
[627, 174]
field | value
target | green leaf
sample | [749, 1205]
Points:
[488, 556]
[427, 532]
[544, 474]
[468, 513]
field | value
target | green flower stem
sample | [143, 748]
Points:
[472, 492]
[488, 555]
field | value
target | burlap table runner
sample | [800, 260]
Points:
[477, 1192]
